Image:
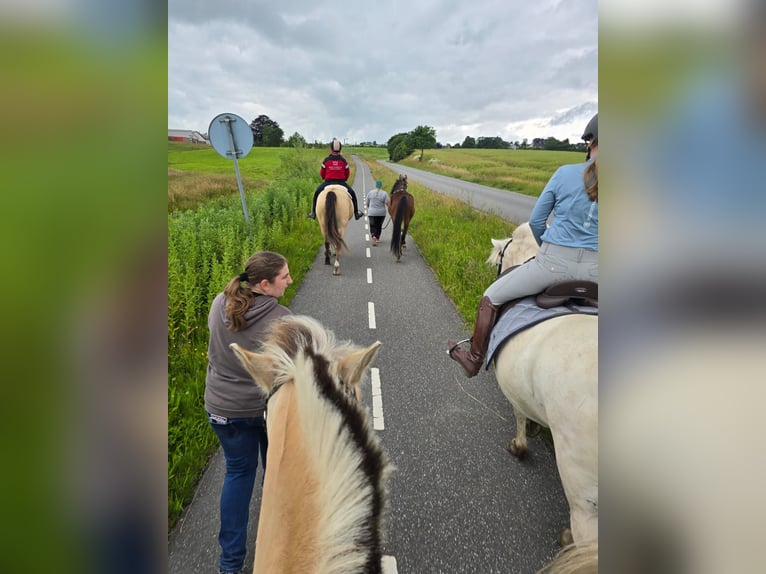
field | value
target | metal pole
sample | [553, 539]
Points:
[234, 153]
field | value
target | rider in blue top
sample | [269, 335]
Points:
[564, 194]
[568, 250]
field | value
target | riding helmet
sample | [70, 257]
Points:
[335, 145]
[591, 130]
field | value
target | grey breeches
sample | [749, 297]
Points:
[552, 264]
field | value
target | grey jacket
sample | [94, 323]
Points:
[229, 390]
[377, 200]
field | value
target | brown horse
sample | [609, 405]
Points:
[324, 493]
[334, 210]
[401, 209]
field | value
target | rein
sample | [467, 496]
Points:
[502, 254]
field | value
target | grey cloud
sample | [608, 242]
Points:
[385, 67]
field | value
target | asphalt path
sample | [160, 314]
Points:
[459, 502]
[515, 207]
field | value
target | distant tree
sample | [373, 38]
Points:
[524, 144]
[491, 143]
[296, 140]
[266, 132]
[457, 145]
[469, 142]
[401, 151]
[393, 144]
[422, 138]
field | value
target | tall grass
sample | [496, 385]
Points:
[207, 246]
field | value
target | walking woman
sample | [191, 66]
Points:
[377, 206]
[234, 404]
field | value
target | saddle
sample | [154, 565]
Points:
[583, 293]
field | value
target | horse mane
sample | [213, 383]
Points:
[580, 558]
[344, 454]
[400, 185]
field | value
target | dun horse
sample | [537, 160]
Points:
[324, 493]
[549, 373]
[401, 209]
[334, 210]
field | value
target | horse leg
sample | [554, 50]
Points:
[533, 429]
[404, 234]
[326, 253]
[517, 446]
[336, 265]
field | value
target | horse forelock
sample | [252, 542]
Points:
[349, 462]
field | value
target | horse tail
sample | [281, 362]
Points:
[396, 233]
[332, 231]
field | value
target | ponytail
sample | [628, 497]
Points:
[261, 265]
[590, 179]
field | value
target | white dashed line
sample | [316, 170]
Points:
[369, 275]
[389, 565]
[369, 254]
[371, 314]
[377, 400]
[366, 236]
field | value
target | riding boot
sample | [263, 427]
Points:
[472, 359]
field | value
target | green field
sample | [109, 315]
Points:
[522, 171]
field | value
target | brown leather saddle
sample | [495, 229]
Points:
[583, 293]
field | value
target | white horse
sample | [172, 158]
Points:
[549, 373]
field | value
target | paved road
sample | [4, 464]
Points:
[459, 503]
[515, 207]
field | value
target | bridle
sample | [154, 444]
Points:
[502, 254]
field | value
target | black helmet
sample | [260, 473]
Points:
[591, 130]
[335, 145]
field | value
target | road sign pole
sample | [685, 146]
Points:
[234, 154]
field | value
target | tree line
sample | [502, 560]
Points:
[267, 133]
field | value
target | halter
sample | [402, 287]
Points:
[502, 254]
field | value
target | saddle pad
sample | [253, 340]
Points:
[523, 315]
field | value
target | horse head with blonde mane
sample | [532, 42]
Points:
[324, 493]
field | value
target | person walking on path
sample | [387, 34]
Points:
[234, 405]
[568, 248]
[377, 206]
[334, 171]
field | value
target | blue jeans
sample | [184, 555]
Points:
[242, 440]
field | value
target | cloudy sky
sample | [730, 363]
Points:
[369, 69]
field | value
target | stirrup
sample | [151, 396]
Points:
[456, 345]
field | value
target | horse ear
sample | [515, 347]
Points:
[497, 242]
[256, 365]
[353, 365]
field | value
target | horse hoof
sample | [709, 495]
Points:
[565, 537]
[533, 429]
[515, 449]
